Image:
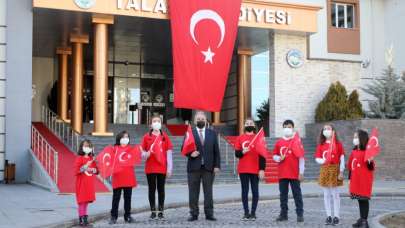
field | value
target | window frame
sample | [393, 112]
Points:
[336, 7]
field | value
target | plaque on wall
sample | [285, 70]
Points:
[295, 58]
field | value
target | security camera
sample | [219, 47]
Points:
[365, 63]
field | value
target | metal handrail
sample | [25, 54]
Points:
[60, 128]
[45, 153]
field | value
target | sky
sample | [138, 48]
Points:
[260, 80]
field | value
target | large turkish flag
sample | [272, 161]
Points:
[203, 38]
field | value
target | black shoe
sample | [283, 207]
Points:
[210, 218]
[113, 220]
[81, 221]
[364, 223]
[161, 216]
[152, 215]
[252, 217]
[357, 224]
[192, 218]
[246, 217]
[282, 218]
[335, 221]
[328, 221]
[128, 219]
[85, 220]
[300, 218]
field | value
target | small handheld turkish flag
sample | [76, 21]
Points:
[373, 145]
[189, 142]
[297, 147]
[105, 161]
[258, 143]
[203, 40]
[129, 157]
[157, 149]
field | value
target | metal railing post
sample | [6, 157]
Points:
[56, 169]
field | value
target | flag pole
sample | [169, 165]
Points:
[254, 138]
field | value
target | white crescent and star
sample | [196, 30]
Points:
[104, 158]
[244, 144]
[375, 139]
[284, 151]
[354, 164]
[121, 155]
[209, 15]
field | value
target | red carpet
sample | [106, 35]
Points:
[271, 171]
[177, 129]
[66, 159]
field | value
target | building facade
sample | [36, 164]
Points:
[110, 62]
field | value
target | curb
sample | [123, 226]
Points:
[374, 222]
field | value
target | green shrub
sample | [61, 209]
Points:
[337, 106]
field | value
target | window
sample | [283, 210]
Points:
[342, 15]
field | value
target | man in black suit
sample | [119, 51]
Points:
[202, 165]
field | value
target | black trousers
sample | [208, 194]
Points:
[364, 208]
[194, 182]
[156, 181]
[116, 201]
[296, 190]
[253, 179]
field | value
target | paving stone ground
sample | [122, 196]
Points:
[229, 215]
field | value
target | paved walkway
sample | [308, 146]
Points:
[28, 206]
[229, 215]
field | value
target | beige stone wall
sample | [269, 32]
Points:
[295, 93]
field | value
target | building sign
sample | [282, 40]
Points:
[253, 13]
[262, 15]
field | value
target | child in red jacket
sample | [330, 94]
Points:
[122, 181]
[251, 167]
[290, 172]
[361, 175]
[157, 171]
[331, 171]
[85, 169]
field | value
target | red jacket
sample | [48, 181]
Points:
[125, 177]
[289, 167]
[249, 162]
[361, 174]
[322, 149]
[85, 191]
[152, 165]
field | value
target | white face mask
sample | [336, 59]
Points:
[156, 126]
[124, 141]
[288, 132]
[87, 150]
[356, 141]
[327, 133]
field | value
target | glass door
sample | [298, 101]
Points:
[126, 99]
